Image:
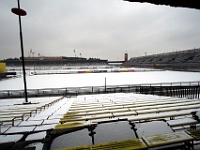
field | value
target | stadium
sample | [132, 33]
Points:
[103, 113]
[150, 102]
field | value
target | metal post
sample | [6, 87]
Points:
[105, 84]
[22, 52]
[198, 92]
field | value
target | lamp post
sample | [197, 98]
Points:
[20, 12]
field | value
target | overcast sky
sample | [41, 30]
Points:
[103, 29]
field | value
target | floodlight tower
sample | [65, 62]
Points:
[20, 12]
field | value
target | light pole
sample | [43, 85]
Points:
[20, 12]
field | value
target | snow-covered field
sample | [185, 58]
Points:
[98, 79]
[39, 121]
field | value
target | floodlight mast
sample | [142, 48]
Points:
[20, 12]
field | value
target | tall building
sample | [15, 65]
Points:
[126, 57]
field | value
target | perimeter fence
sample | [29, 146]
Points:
[173, 89]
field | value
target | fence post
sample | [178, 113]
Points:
[198, 91]
[105, 84]
[66, 91]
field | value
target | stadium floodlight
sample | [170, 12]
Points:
[20, 12]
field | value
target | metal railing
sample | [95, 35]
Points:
[174, 89]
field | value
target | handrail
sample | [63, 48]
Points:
[136, 88]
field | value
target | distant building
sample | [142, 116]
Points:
[126, 57]
[60, 60]
[46, 58]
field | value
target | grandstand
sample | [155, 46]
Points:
[187, 60]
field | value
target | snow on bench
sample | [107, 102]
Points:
[170, 115]
[183, 122]
[85, 118]
[120, 114]
[178, 108]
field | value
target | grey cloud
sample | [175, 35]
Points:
[98, 28]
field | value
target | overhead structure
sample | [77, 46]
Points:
[174, 3]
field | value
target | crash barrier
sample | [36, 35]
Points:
[173, 89]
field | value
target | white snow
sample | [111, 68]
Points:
[10, 138]
[28, 123]
[44, 127]
[48, 118]
[182, 121]
[20, 129]
[52, 121]
[98, 79]
[36, 136]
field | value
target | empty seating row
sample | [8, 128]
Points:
[140, 108]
